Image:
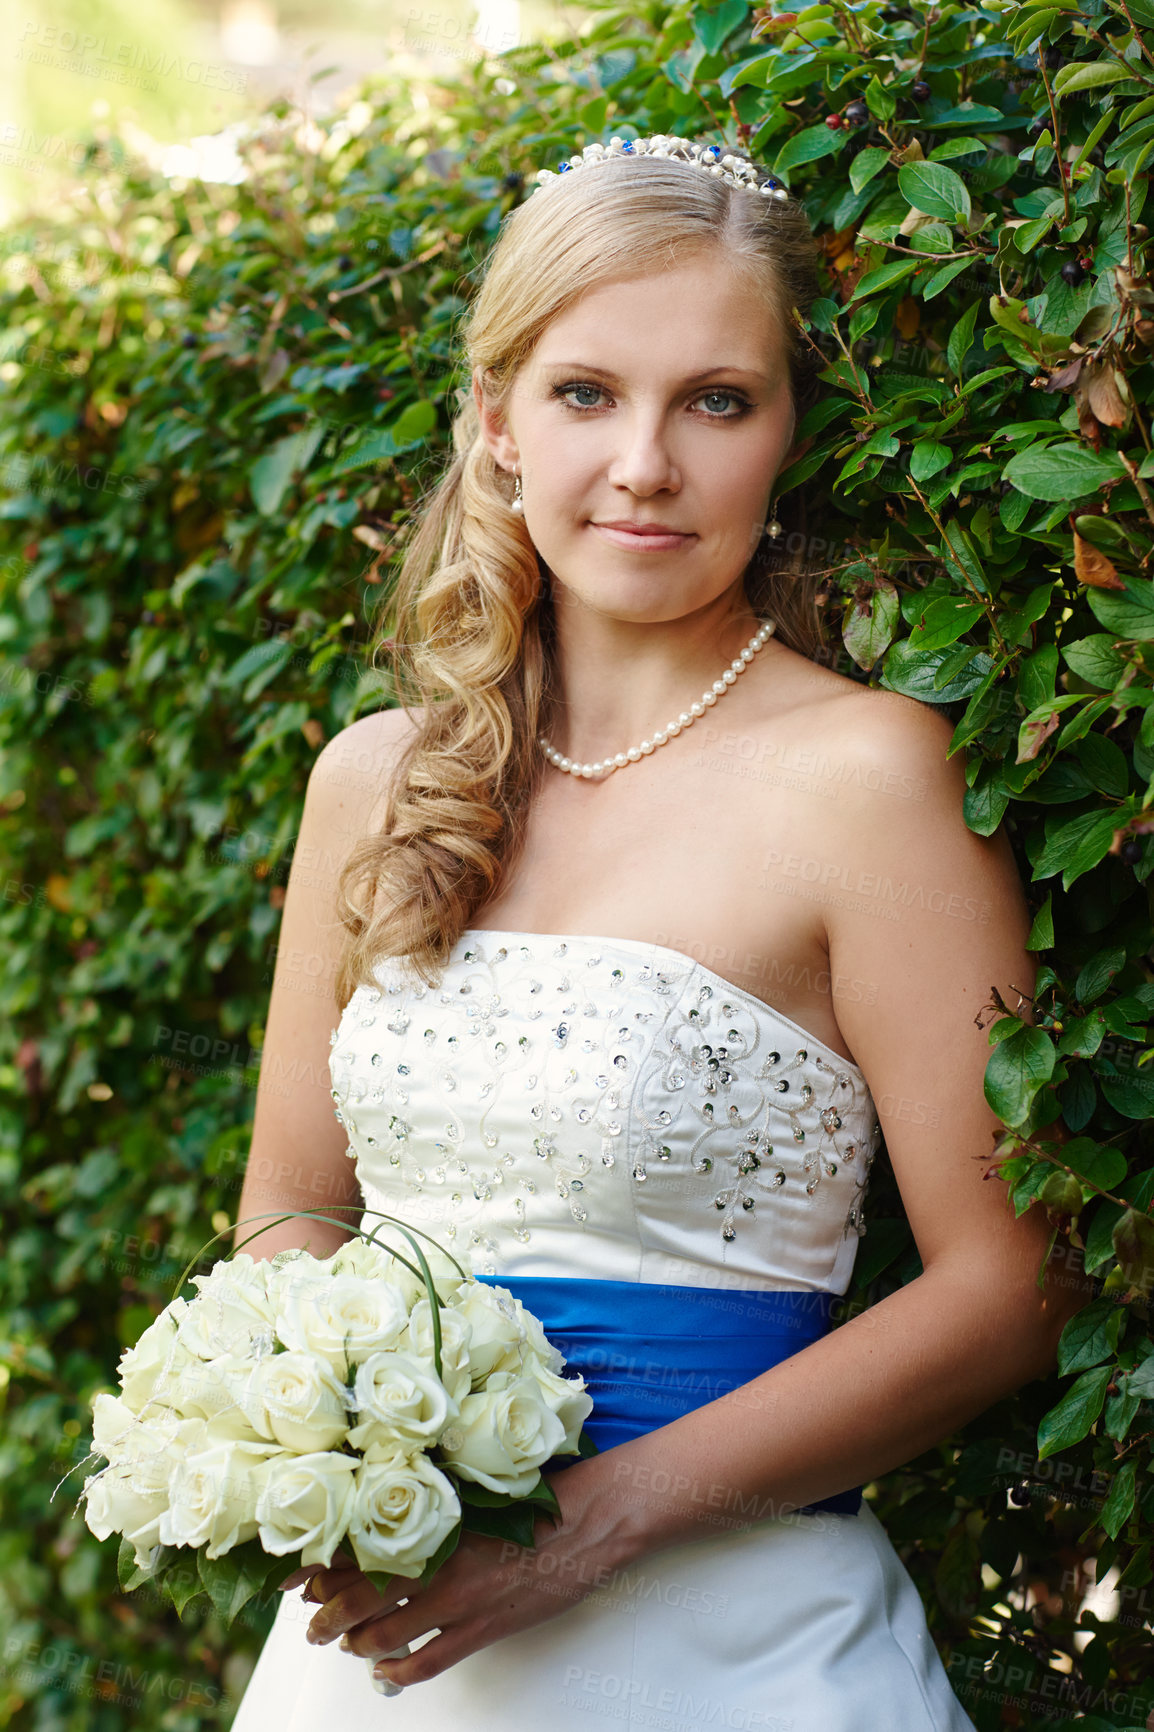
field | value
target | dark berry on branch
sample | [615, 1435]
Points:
[1020, 1494]
[1132, 851]
[920, 91]
[856, 112]
[511, 182]
[344, 263]
[188, 341]
[1072, 273]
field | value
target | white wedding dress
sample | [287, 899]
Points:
[611, 1109]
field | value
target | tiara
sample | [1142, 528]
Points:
[708, 157]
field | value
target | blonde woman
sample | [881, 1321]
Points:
[664, 926]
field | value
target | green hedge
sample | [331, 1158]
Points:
[221, 405]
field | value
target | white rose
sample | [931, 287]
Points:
[304, 1406]
[503, 1434]
[343, 1318]
[112, 1424]
[500, 1338]
[567, 1397]
[212, 1497]
[131, 1495]
[446, 1275]
[227, 1392]
[404, 1508]
[158, 1353]
[305, 1505]
[401, 1400]
[418, 1340]
[233, 1309]
[358, 1257]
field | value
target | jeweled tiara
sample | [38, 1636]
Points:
[712, 158]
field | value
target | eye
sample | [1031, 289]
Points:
[561, 392]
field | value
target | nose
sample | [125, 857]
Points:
[644, 463]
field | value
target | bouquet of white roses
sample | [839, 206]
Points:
[297, 1405]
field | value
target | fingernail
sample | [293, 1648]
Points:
[346, 1644]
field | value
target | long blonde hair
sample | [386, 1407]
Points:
[473, 613]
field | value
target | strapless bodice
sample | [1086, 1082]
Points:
[604, 1107]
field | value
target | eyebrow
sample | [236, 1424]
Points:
[692, 378]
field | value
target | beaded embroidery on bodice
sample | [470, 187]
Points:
[604, 1107]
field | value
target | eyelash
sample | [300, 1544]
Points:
[560, 391]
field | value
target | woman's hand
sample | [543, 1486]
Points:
[488, 1589]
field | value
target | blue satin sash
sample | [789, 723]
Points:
[650, 1353]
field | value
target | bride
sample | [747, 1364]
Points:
[627, 1026]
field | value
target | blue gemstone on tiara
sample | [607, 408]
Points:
[627, 148]
[564, 168]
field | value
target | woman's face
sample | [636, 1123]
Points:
[662, 399]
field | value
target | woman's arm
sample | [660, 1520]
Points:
[974, 1326]
[888, 1384]
[297, 1157]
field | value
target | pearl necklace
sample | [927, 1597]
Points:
[685, 720]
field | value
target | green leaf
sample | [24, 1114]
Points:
[1127, 613]
[944, 622]
[870, 625]
[961, 337]
[270, 475]
[807, 146]
[943, 277]
[1096, 975]
[1119, 1504]
[935, 189]
[1090, 1336]
[1074, 845]
[912, 672]
[984, 807]
[927, 458]
[1042, 930]
[1133, 1241]
[1037, 677]
[712, 28]
[1016, 1070]
[231, 1581]
[1061, 472]
[883, 278]
[1101, 1166]
[1132, 1096]
[1072, 1418]
[1095, 660]
[1080, 76]
[866, 164]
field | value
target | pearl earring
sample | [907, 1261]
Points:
[517, 506]
[773, 527]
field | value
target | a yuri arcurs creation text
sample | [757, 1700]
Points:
[368, 1401]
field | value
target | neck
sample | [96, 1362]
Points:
[620, 681]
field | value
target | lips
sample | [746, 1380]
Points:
[645, 539]
[643, 528]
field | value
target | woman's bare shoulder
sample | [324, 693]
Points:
[867, 720]
[359, 761]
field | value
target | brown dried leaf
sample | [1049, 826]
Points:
[1092, 566]
[1104, 388]
[1065, 377]
[1035, 735]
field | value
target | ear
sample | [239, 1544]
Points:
[494, 430]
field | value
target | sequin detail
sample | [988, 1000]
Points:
[542, 1075]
